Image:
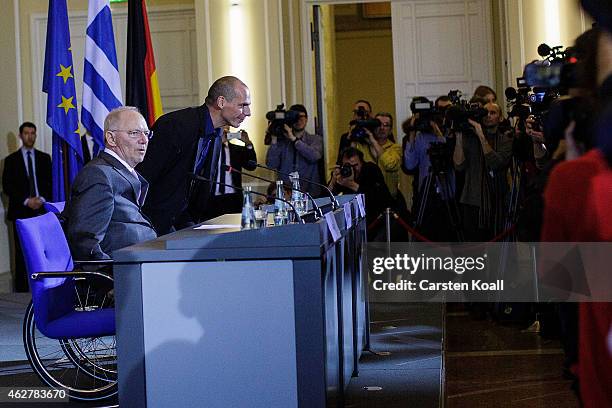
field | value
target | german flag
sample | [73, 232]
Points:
[142, 88]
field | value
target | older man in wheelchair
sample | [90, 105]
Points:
[69, 327]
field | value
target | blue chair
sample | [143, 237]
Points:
[56, 207]
[69, 339]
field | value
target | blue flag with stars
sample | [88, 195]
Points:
[62, 114]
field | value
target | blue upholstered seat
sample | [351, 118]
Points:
[56, 207]
[45, 250]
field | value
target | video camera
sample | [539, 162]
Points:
[279, 118]
[427, 113]
[458, 114]
[542, 92]
[525, 101]
[556, 70]
[362, 122]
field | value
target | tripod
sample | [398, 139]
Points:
[513, 200]
[440, 180]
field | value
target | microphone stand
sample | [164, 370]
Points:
[334, 202]
[318, 212]
[200, 178]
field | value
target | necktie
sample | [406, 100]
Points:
[203, 147]
[215, 154]
[206, 164]
[31, 176]
[221, 171]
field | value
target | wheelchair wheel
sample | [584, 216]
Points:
[96, 356]
[85, 368]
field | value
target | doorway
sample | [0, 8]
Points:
[387, 53]
[353, 54]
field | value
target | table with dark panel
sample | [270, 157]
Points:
[219, 317]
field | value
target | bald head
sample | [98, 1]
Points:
[228, 101]
[226, 87]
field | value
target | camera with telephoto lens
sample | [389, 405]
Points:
[279, 118]
[346, 170]
[458, 114]
[362, 122]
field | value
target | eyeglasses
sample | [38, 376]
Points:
[135, 133]
[385, 125]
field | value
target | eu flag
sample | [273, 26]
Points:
[62, 115]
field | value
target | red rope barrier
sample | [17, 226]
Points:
[503, 234]
[423, 238]
[375, 223]
[410, 230]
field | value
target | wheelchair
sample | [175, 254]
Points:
[68, 328]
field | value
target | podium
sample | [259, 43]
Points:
[219, 317]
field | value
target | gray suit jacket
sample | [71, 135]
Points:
[104, 213]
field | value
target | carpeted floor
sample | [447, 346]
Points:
[406, 363]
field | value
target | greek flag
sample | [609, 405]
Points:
[101, 85]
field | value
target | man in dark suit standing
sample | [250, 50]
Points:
[104, 210]
[27, 182]
[188, 141]
[239, 154]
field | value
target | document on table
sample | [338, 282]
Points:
[217, 226]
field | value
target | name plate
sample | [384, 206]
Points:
[333, 226]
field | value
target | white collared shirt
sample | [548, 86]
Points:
[128, 167]
[116, 156]
[222, 175]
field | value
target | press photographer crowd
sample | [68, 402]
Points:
[536, 172]
[464, 166]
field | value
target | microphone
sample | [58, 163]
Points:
[318, 211]
[335, 203]
[200, 178]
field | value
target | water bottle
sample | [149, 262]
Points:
[297, 198]
[248, 210]
[280, 209]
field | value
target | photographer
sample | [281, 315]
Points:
[294, 149]
[436, 181]
[356, 176]
[539, 140]
[361, 111]
[484, 156]
[380, 148]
